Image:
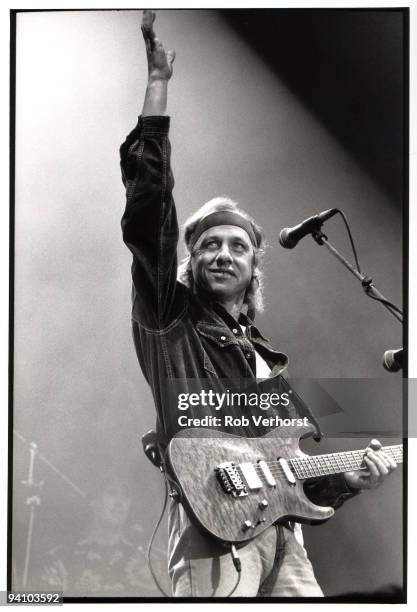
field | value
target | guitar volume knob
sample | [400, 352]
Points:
[263, 504]
[247, 525]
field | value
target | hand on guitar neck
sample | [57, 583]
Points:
[379, 465]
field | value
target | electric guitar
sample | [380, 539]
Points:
[235, 487]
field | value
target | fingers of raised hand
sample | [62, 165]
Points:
[148, 17]
[159, 62]
[171, 56]
[158, 46]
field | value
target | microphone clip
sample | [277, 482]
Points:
[318, 235]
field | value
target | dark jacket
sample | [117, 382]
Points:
[185, 342]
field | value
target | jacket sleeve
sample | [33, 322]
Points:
[329, 491]
[149, 223]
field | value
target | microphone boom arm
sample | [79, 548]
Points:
[366, 281]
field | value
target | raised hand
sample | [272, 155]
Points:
[159, 61]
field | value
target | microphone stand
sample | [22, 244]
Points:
[34, 500]
[366, 281]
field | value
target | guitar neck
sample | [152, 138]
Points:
[336, 463]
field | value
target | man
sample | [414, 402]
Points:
[103, 561]
[196, 330]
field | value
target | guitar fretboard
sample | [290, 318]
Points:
[335, 463]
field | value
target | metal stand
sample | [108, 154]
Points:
[366, 281]
[32, 501]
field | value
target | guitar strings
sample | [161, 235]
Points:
[345, 457]
[324, 461]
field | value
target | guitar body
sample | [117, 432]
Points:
[193, 456]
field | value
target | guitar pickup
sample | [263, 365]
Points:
[270, 480]
[287, 471]
[230, 479]
[249, 473]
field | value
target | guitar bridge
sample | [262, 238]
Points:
[230, 480]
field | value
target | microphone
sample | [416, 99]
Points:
[393, 360]
[289, 237]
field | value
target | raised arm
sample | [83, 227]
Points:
[149, 224]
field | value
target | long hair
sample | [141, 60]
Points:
[254, 293]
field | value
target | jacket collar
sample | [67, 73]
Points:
[219, 311]
[212, 318]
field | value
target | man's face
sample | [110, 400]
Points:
[222, 262]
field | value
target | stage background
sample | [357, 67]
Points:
[289, 113]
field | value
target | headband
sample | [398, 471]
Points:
[222, 217]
